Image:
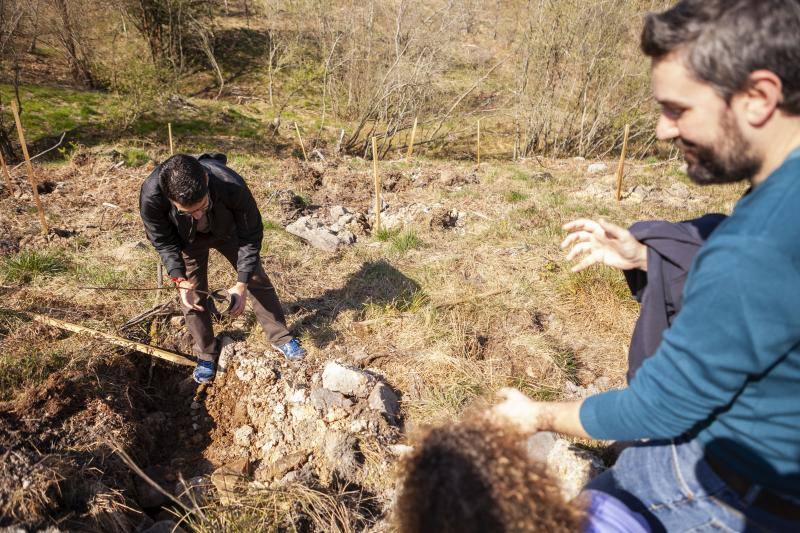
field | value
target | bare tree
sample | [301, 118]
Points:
[11, 14]
[73, 42]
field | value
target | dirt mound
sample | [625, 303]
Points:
[304, 175]
[59, 445]
[295, 424]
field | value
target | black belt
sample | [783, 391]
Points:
[767, 500]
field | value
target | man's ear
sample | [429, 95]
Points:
[762, 97]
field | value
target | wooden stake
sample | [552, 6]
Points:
[621, 167]
[478, 150]
[300, 138]
[169, 129]
[377, 180]
[31, 178]
[7, 175]
[113, 339]
[411, 143]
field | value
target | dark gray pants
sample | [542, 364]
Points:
[262, 294]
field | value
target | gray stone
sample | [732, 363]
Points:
[311, 231]
[323, 399]
[597, 168]
[384, 400]
[348, 381]
[540, 445]
[338, 211]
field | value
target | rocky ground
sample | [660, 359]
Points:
[460, 293]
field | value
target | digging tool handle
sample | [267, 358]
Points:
[113, 339]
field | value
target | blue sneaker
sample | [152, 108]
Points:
[292, 350]
[204, 371]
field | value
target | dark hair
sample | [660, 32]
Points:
[724, 41]
[475, 477]
[183, 179]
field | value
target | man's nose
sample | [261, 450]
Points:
[197, 215]
[666, 129]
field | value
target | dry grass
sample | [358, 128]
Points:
[447, 322]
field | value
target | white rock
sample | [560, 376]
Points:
[348, 381]
[279, 412]
[597, 168]
[226, 354]
[572, 468]
[311, 230]
[358, 425]
[242, 436]
[338, 211]
[298, 396]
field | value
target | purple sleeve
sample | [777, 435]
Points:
[606, 514]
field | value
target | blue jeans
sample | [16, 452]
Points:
[674, 488]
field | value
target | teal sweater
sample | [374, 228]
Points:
[728, 370]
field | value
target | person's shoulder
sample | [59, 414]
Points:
[769, 214]
[151, 187]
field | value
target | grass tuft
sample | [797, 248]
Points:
[514, 197]
[135, 157]
[386, 234]
[406, 240]
[27, 265]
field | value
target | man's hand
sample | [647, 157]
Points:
[238, 298]
[603, 242]
[188, 295]
[517, 410]
[530, 416]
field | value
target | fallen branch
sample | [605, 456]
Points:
[114, 339]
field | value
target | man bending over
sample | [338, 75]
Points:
[189, 206]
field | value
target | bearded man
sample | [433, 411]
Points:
[715, 409]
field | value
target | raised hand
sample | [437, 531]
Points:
[603, 242]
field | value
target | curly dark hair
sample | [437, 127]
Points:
[183, 179]
[476, 477]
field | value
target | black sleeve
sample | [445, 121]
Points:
[161, 232]
[249, 231]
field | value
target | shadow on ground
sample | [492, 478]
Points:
[375, 283]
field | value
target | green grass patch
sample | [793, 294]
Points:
[272, 225]
[514, 197]
[29, 264]
[135, 157]
[386, 234]
[406, 240]
[48, 111]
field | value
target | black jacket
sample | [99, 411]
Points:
[671, 248]
[233, 215]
